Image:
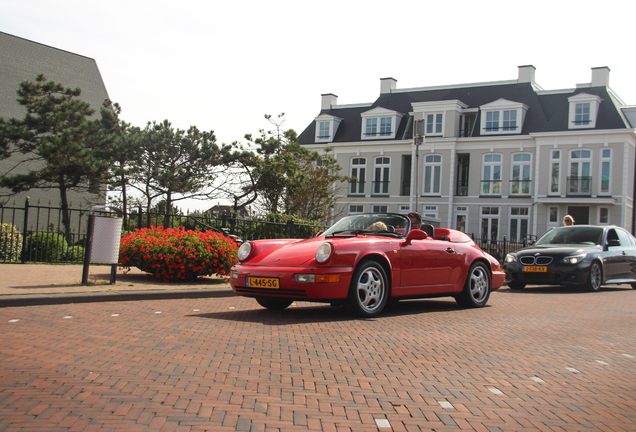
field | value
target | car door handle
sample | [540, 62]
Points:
[450, 250]
[624, 253]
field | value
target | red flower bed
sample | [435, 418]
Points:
[176, 254]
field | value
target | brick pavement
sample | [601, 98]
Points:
[541, 359]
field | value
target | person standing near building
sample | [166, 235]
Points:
[568, 220]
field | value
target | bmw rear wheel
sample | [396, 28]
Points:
[274, 303]
[595, 278]
[369, 290]
[477, 287]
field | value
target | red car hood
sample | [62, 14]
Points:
[285, 253]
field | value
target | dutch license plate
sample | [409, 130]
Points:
[258, 282]
[537, 269]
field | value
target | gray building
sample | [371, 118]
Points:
[491, 159]
[22, 59]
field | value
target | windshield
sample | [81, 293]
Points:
[572, 235]
[395, 225]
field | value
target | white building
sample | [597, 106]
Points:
[495, 159]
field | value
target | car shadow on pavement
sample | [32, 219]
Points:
[557, 289]
[319, 312]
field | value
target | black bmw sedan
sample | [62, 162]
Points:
[578, 255]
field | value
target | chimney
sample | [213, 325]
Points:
[600, 76]
[328, 100]
[387, 84]
[526, 74]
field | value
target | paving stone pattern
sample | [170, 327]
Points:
[540, 359]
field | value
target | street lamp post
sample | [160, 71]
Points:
[418, 139]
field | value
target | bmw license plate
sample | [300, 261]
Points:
[258, 282]
[536, 269]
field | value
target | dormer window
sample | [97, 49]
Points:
[583, 111]
[380, 123]
[326, 127]
[502, 117]
[434, 123]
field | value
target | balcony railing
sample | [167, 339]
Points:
[579, 186]
[406, 188]
[490, 188]
[356, 188]
[462, 188]
[520, 187]
[380, 188]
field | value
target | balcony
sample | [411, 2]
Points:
[579, 186]
[380, 188]
[520, 187]
[356, 188]
[490, 188]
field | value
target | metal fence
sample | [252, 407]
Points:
[35, 233]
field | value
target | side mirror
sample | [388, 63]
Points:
[414, 235]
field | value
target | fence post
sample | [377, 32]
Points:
[504, 248]
[24, 229]
[140, 218]
[223, 220]
[291, 228]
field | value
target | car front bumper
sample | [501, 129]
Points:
[556, 274]
[288, 287]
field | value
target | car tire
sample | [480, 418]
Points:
[594, 278]
[477, 287]
[369, 290]
[274, 303]
[516, 285]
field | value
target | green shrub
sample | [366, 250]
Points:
[75, 254]
[10, 243]
[45, 247]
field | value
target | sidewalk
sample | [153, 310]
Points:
[33, 284]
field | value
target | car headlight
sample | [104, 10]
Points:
[323, 252]
[244, 251]
[511, 258]
[574, 259]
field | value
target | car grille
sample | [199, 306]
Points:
[539, 260]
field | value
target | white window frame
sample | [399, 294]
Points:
[485, 163]
[379, 208]
[404, 209]
[583, 98]
[461, 211]
[580, 162]
[522, 214]
[555, 162]
[605, 161]
[525, 170]
[489, 217]
[600, 216]
[430, 211]
[432, 175]
[361, 208]
[333, 122]
[361, 183]
[502, 108]
[384, 168]
[435, 122]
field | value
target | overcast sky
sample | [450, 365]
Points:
[222, 65]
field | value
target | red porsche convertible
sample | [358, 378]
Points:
[362, 262]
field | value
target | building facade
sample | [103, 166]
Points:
[23, 60]
[491, 159]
